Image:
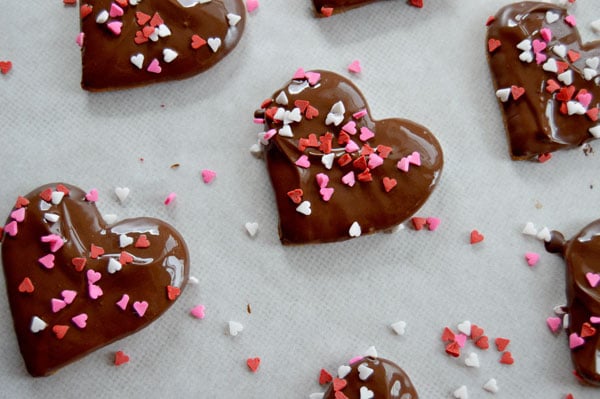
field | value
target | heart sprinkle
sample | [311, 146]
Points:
[501, 343]
[198, 311]
[532, 258]
[47, 261]
[120, 358]
[80, 320]
[491, 385]
[170, 198]
[122, 303]
[251, 5]
[324, 377]
[37, 325]
[355, 230]
[235, 328]
[208, 175]
[507, 358]
[399, 327]
[253, 364]
[60, 330]
[140, 307]
[554, 323]
[26, 286]
[461, 393]
[355, 67]
[476, 237]
[593, 279]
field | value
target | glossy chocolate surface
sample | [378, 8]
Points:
[582, 255]
[383, 378]
[367, 202]
[145, 277]
[535, 123]
[107, 57]
[340, 5]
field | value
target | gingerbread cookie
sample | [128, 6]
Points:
[546, 80]
[338, 173]
[127, 43]
[582, 255]
[75, 284]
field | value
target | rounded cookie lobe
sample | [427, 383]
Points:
[582, 255]
[336, 172]
[76, 284]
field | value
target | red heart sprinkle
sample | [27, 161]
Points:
[340, 395]
[142, 242]
[121, 358]
[476, 332]
[266, 103]
[125, 258]
[142, 18]
[253, 363]
[173, 292]
[21, 202]
[62, 189]
[5, 67]
[565, 94]
[517, 91]
[416, 3]
[339, 384]
[343, 138]
[501, 343]
[544, 157]
[344, 160]
[122, 3]
[561, 66]
[389, 183]
[360, 163]
[448, 335]
[296, 195]
[507, 358]
[96, 251]
[418, 224]
[26, 286]
[270, 113]
[573, 55]
[302, 104]
[476, 237]
[552, 86]
[324, 377]
[46, 195]
[79, 263]
[327, 11]
[383, 150]
[197, 42]
[587, 330]
[311, 112]
[453, 349]
[493, 44]
[490, 20]
[85, 10]
[156, 20]
[366, 150]
[365, 176]
[483, 342]
[592, 113]
[139, 37]
[312, 140]
[60, 330]
[147, 31]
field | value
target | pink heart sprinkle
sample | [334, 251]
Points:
[79, 39]
[584, 98]
[140, 307]
[460, 339]
[198, 311]
[299, 74]
[47, 261]
[68, 296]
[56, 242]
[593, 279]
[355, 67]
[123, 301]
[80, 320]
[57, 304]
[366, 133]
[115, 10]
[433, 223]
[554, 323]
[355, 359]
[594, 320]
[540, 58]
[375, 161]
[349, 179]
[251, 5]
[532, 258]
[350, 127]
[92, 196]
[154, 66]
[93, 276]
[538, 46]
[415, 158]
[313, 77]
[11, 228]
[303, 162]
[326, 193]
[115, 27]
[208, 175]
[322, 180]
[546, 34]
[18, 215]
[359, 114]
[403, 164]
[95, 291]
[269, 135]
[570, 19]
[575, 341]
[170, 198]
[351, 147]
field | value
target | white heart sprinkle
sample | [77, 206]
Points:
[44, 206]
[366, 393]
[595, 25]
[214, 43]
[491, 385]
[503, 94]
[526, 56]
[355, 230]
[595, 131]
[279, 114]
[134, 2]
[593, 62]
[364, 372]
[574, 107]
[336, 115]
[251, 228]
[550, 65]
[292, 116]
[316, 395]
[551, 17]
[589, 73]
[465, 327]
[163, 30]
[51, 217]
[233, 19]
[102, 17]
[343, 371]
[327, 160]
[544, 234]
[529, 229]
[193, 280]
[304, 208]
[122, 193]
[57, 197]
[110, 218]
[125, 240]
[371, 351]
[154, 35]
[395, 391]
[461, 393]
[114, 265]
[566, 77]
[559, 310]
[169, 55]
[285, 131]
[256, 150]
[399, 327]
[137, 60]
[282, 99]
[566, 321]
[37, 324]
[472, 360]
[560, 50]
[524, 45]
[235, 328]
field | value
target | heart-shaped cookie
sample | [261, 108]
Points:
[133, 43]
[546, 80]
[371, 377]
[582, 255]
[75, 284]
[328, 7]
[337, 173]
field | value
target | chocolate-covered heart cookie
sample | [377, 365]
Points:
[328, 7]
[75, 284]
[338, 173]
[582, 255]
[127, 43]
[546, 80]
[371, 377]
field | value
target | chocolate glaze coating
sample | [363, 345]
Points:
[387, 381]
[366, 203]
[106, 57]
[164, 263]
[340, 5]
[534, 122]
[582, 255]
